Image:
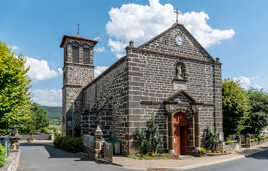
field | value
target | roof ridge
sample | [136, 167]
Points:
[76, 37]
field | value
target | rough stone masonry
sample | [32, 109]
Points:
[171, 77]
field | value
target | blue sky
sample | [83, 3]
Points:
[234, 31]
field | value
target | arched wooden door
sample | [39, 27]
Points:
[180, 127]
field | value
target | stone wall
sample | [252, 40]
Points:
[166, 43]
[75, 74]
[105, 102]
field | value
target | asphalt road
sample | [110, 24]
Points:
[40, 157]
[255, 162]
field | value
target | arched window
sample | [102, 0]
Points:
[86, 58]
[75, 53]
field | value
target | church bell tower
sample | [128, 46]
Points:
[78, 71]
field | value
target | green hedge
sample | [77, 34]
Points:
[229, 142]
[69, 144]
[45, 131]
[3, 158]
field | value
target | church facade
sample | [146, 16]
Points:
[171, 77]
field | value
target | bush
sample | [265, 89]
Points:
[211, 140]
[55, 130]
[229, 142]
[3, 158]
[201, 150]
[57, 142]
[69, 144]
[45, 131]
[30, 139]
[149, 139]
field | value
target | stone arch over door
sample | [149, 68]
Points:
[182, 102]
[191, 115]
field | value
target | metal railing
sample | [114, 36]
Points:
[5, 141]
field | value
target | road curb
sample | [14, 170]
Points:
[14, 164]
[210, 163]
[239, 156]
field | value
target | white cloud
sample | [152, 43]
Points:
[60, 71]
[47, 97]
[247, 82]
[39, 69]
[141, 22]
[14, 47]
[99, 69]
[97, 38]
[100, 49]
[117, 47]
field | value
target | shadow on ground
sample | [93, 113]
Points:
[261, 154]
[58, 153]
[53, 152]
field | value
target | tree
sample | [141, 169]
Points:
[255, 123]
[40, 117]
[258, 101]
[257, 120]
[236, 107]
[15, 102]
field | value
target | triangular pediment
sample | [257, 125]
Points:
[180, 97]
[179, 41]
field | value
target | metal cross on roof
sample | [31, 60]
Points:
[177, 15]
[78, 31]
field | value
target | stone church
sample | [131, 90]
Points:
[171, 77]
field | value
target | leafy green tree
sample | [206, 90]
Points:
[15, 102]
[255, 123]
[258, 101]
[40, 117]
[257, 120]
[236, 107]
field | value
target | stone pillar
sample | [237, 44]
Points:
[193, 131]
[15, 137]
[52, 136]
[171, 150]
[197, 131]
[98, 144]
[238, 139]
[248, 143]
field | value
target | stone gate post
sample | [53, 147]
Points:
[238, 139]
[98, 144]
[248, 142]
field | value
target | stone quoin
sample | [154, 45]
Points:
[171, 77]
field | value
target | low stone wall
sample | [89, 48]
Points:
[97, 148]
[13, 162]
[232, 147]
[247, 143]
[254, 143]
[37, 137]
